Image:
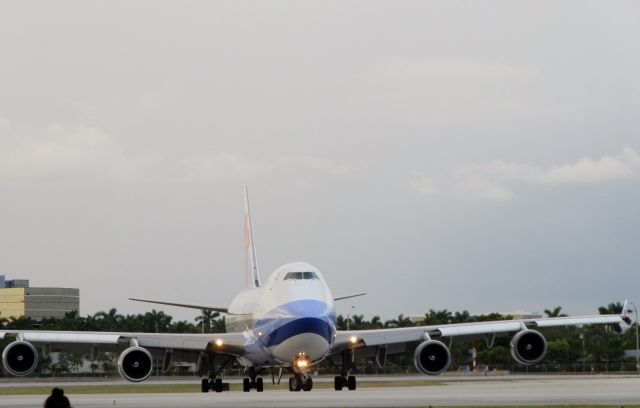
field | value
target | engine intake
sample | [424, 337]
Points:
[528, 347]
[20, 358]
[135, 364]
[432, 357]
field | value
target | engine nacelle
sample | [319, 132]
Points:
[432, 357]
[528, 347]
[135, 364]
[20, 358]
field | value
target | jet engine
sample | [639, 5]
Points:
[20, 358]
[432, 357]
[135, 364]
[528, 347]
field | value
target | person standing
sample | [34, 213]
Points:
[57, 399]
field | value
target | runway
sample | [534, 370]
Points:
[539, 391]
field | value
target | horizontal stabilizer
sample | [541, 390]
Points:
[199, 307]
[349, 296]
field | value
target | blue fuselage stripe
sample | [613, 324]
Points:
[300, 326]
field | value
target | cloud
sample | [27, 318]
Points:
[76, 151]
[588, 171]
[423, 184]
[495, 180]
[60, 151]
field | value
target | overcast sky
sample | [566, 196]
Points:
[461, 155]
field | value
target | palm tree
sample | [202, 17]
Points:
[611, 308]
[108, 321]
[555, 312]
[206, 320]
[401, 321]
[376, 322]
[437, 317]
[155, 321]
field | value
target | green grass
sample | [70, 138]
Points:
[186, 388]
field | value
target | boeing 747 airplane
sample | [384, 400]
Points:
[287, 322]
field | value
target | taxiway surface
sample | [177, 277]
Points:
[541, 391]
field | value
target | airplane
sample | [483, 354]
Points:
[287, 322]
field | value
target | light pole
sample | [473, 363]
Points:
[349, 317]
[637, 339]
[584, 353]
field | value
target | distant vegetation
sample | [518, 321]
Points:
[588, 348]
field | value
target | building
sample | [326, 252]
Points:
[18, 299]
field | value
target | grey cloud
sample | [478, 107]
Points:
[495, 180]
[75, 151]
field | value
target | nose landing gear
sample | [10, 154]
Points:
[299, 382]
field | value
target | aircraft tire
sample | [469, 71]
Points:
[351, 383]
[308, 384]
[338, 383]
[246, 385]
[205, 385]
[259, 385]
[217, 385]
[295, 383]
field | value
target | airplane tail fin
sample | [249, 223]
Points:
[252, 273]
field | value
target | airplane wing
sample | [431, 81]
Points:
[222, 343]
[379, 337]
[137, 351]
[185, 305]
[349, 296]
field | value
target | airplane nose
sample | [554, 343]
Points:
[310, 336]
[310, 345]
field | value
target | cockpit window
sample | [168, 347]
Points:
[301, 275]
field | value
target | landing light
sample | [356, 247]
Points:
[302, 363]
[218, 342]
[353, 339]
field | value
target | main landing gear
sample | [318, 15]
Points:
[253, 382]
[344, 379]
[339, 382]
[214, 383]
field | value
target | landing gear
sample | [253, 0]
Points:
[212, 382]
[252, 382]
[345, 380]
[299, 382]
[339, 382]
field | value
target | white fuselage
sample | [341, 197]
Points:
[290, 316]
